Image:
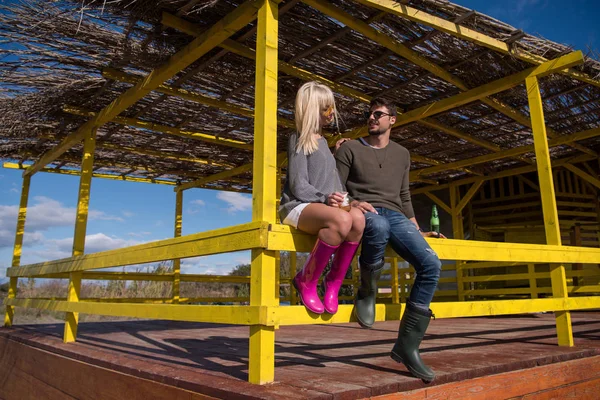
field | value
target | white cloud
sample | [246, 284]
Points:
[127, 214]
[14, 190]
[195, 206]
[236, 201]
[43, 214]
[93, 243]
[139, 234]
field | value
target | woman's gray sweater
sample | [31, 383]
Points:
[310, 179]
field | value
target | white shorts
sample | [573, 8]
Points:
[294, 215]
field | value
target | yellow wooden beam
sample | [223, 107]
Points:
[469, 195]
[379, 37]
[439, 202]
[583, 175]
[462, 32]
[244, 51]
[502, 174]
[456, 133]
[549, 208]
[120, 76]
[489, 89]
[236, 238]
[558, 141]
[138, 123]
[525, 121]
[414, 57]
[231, 23]
[285, 238]
[238, 315]
[95, 175]
[17, 248]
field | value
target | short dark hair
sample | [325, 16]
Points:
[381, 102]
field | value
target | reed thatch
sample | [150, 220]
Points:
[53, 54]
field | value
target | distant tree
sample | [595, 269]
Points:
[241, 289]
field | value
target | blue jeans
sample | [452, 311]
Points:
[393, 227]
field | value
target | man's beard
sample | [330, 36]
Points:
[375, 131]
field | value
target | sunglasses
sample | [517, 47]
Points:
[376, 114]
[327, 113]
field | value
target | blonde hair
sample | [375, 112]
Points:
[311, 99]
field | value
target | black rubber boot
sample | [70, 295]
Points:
[364, 304]
[406, 350]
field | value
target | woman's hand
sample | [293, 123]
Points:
[339, 143]
[433, 234]
[335, 199]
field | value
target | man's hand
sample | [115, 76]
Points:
[364, 206]
[339, 143]
[433, 234]
[335, 199]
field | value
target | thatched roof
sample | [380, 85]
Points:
[54, 55]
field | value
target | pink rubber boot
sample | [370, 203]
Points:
[306, 280]
[334, 279]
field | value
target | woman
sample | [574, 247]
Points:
[312, 197]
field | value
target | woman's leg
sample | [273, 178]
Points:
[330, 224]
[358, 225]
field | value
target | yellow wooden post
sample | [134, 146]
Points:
[177, 233]
[394, 269]
[85, 183]
[551, 223]
[458, 233]
[18, 247]
[262, 289]
[293, 268]
[532, 280]
[278, 253]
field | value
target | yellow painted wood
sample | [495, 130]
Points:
[191, 96]
[456, 133]
[583, 175]
[280, 237]
[565, 139]
[238, 315]
[83, 203]
[237, 48]
[17, 248]
[471, 35]
[458, 233]
[469, 195]
[227, 174]
[177, 233]
[241, 237]
[261, 368]
[439, 202]
[138, 123]
[524, 120]
[231, 23]
[557, 271]
[293, 270]
[394, 282]
[505, 173]
[379, 37]
[532, 280]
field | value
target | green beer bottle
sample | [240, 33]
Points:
[435, 221]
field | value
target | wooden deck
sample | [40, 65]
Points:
[161, 359]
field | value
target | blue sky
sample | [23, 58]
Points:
[130, 213]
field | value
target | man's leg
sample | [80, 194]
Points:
[406, 240]
[374, 242]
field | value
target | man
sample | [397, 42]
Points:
[375, 172]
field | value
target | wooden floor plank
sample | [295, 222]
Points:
[322, 362]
